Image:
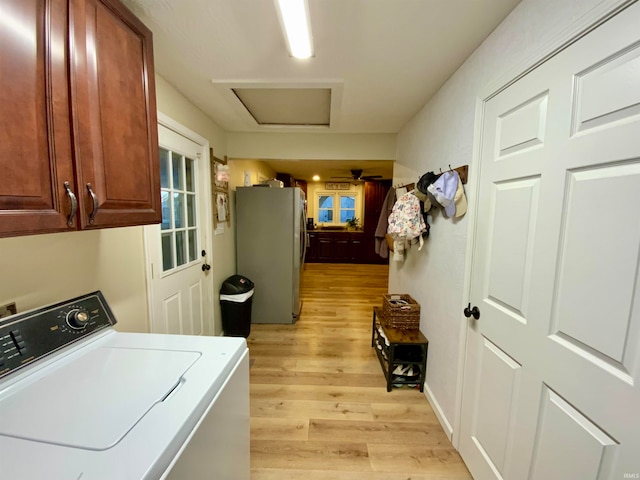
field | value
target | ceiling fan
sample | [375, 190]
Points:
[356, 174]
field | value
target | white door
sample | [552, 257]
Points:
[180, 289]
[552, 371]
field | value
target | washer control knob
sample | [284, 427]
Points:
[77, 319]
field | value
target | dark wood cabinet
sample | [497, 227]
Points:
[374, 196]
[326, 247]
[335, 247]
[312, 248]
[78, 129]
[302, 184]
[341, 248]
[356, 252]
[286, 179]
[114, 108]
[35, 138]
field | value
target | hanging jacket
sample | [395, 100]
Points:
[381, 247]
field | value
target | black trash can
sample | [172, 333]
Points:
[236, 295]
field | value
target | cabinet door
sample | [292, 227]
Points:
[326, 248]
[356, 254]
[114, 115]
[341, 247]
[35, 151]
[312, 249]
[374, 196]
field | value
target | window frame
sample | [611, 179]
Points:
[336, 205]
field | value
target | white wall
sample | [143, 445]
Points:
[442, 134]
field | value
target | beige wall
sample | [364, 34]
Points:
[41, 269]
[256, 169]
[173, 104]
[313, 189]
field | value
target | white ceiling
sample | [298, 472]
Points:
[382, 59]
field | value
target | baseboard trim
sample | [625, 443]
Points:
[446, 426]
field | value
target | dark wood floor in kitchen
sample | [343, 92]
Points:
[319, 406]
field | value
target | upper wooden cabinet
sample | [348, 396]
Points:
[78, 117]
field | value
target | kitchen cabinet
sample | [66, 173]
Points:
[286, 179]
[326, 247]
[335, 247]
[312, 247]
[374, 196]
[78, 128]
[356, 254]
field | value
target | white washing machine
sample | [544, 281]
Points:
[80, 401]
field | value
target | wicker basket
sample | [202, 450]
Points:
[400, 311]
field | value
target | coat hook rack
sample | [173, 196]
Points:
[408, 186]
[463, 172]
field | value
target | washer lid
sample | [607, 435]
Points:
[93, 401]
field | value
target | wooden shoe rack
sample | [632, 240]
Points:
[401, 347]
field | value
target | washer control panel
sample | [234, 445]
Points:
[27, 337]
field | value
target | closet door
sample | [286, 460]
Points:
[35, 152]
[114, 115]
[552, 372]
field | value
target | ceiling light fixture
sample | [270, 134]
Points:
[296, 26]
[316, 177]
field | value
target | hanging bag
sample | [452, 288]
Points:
[406, 221]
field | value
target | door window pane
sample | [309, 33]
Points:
[166, 211]
[181, 248]
[178, 172]
[190, 174]
[167, 251]
[191, 210]
[193, 245]
[164, 168]
[178, 210]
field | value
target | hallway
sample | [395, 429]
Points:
[319, 406]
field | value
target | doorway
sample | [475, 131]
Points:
[178, 251]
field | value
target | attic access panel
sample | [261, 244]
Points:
[287, 106]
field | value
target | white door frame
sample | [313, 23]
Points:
[571, 34]
[205, 209]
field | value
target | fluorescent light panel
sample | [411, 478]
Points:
[294, 17]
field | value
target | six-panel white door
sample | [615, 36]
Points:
[180, 289]
[551, 386]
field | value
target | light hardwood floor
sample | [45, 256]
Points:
[319, 405]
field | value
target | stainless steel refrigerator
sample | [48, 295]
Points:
[271, 242]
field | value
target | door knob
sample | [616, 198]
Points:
[205, 267]
[475, 311]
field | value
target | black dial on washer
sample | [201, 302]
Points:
[77, 318]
